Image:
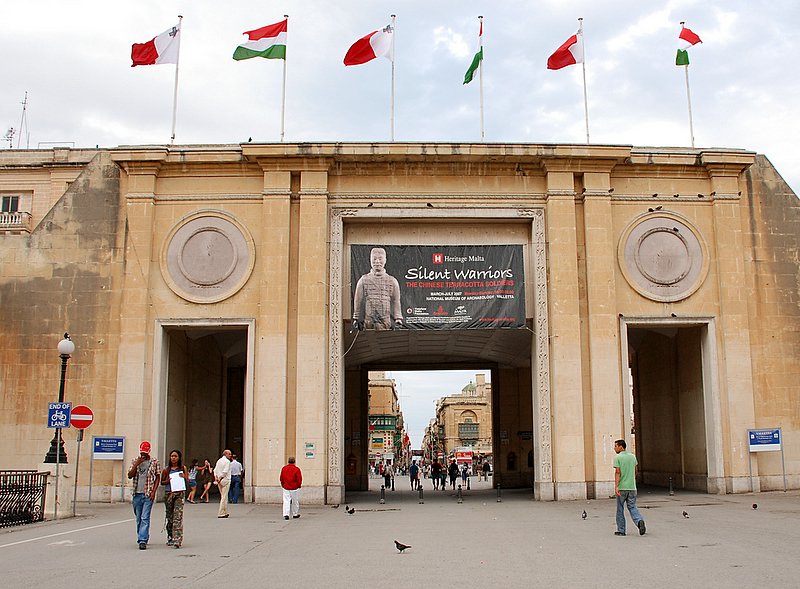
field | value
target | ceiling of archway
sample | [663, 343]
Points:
[506, 347]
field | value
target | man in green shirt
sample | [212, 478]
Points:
[625, 488]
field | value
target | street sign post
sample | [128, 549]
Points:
[58, 414]
[765, 440]
[108, 448]
[81, 417]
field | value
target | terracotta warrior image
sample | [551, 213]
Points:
[376, 304]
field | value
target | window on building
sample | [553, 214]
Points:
[10, 203]
[468, 431]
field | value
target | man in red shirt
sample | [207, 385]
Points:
[291, 481]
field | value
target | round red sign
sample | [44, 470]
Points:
[81, 417]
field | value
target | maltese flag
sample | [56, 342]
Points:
[161, 49]
[376, 44]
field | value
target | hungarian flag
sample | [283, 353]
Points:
[376, 44]
[476, 61]
[686, 39]
[268, 42]
[570, 53]
[161, 49]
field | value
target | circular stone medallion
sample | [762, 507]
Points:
[662, 257]
[207, 257]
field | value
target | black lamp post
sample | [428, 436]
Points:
[56, 453]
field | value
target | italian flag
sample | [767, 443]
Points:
[268, 42]
[570, 53]
[377, 44]
[158, 50]
[476, 61]
[686, 39]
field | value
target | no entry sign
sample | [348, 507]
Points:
[81, 417]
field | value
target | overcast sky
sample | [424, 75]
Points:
[73, 59]
[418, 392]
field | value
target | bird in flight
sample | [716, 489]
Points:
[400, 546]
[583, 515]
[686, 515]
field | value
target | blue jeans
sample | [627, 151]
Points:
[142, 505]
[236, 485]
[627, 498]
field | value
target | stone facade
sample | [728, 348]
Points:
[462, 420]
[207, 291]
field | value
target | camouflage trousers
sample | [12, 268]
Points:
[174, 505]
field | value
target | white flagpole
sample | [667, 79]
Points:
[283, 92]
[688, 97]
[480, 20]
[394, 33]
[175, 93]
[585, 95]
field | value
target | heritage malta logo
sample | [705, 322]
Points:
[438, 258]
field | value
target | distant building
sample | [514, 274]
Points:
[463, 420]
[386, 426]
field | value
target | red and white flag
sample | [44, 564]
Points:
[159, 50]
[376, 44]
[570, 53]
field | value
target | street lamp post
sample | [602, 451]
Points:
[56, 454]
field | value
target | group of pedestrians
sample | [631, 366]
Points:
[181, 482]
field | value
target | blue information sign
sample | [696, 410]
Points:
[58, 414]
[109, 448]
[764, 440]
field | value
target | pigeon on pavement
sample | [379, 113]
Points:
[349, 510]
[755, 505]
[400, 546]
[686, 515]
[583, 515]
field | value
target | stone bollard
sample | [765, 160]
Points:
[468, 484]
[421, 498]
[458, 494]
[383, 495]
[671, 492]
[499, 497]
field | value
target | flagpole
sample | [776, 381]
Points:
[283, 92]
[480, 73]
[688, 97]
[391, 124]
[175, 93]
[585, 95]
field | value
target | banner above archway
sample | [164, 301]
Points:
[437, 287]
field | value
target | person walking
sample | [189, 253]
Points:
[388, 477]
[413, 473]
[222, 475]
[291, 481]
[206, 478]
[486, 469]
[625, 488]
[436, 474]
[237, 475]
[174, 479]
[452, 470]
[193, 470]
[145, 474]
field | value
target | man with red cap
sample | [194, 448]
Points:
[145, 472]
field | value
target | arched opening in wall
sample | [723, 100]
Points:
[666, 404]
[422, 422]
[479, 409]
[204, 377]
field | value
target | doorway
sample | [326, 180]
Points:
[671, 404]
[205, 390]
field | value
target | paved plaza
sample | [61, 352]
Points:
[481, 542]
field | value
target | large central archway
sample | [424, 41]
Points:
[520, 355]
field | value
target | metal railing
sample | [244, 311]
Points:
[22, 496]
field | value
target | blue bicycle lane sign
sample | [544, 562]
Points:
[58, 414]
